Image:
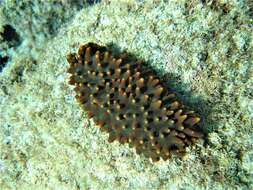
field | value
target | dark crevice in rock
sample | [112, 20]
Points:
[10, 35]
[3, 62]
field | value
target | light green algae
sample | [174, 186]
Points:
[203, 49]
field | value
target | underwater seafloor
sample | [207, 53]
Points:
[204, 49]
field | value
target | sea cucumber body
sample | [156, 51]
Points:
[128, 101]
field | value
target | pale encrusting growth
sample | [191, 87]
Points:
[202, 48]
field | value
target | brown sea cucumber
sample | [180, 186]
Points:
[130, 102]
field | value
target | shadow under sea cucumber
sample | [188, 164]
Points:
[129, 101]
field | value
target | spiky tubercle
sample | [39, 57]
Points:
[130, 102]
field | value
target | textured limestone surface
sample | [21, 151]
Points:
[203, 49]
